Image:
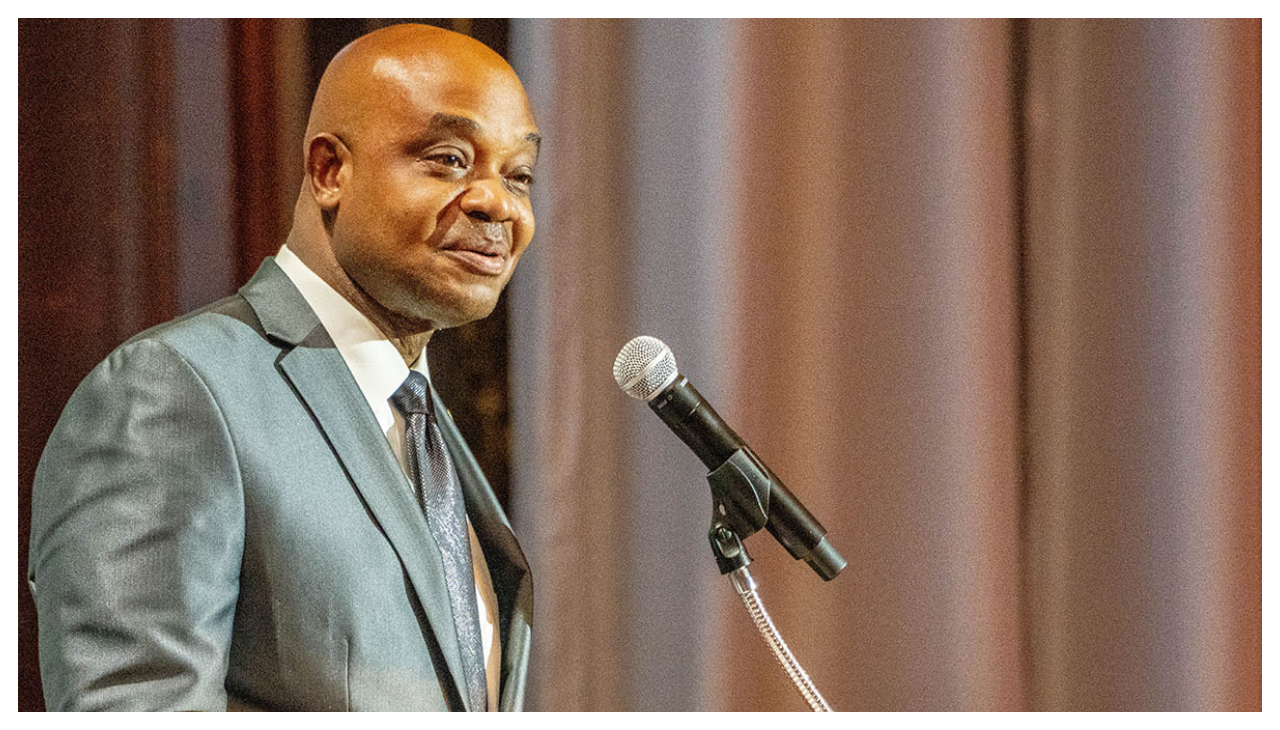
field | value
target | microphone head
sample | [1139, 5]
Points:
[644, 366]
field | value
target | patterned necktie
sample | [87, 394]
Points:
[441, 497]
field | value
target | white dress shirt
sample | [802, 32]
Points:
[379, 370]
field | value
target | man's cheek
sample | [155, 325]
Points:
[523, 233]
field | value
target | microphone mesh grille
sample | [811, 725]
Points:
[644, 366]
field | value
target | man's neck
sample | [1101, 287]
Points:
[407, 337]
[410, 347]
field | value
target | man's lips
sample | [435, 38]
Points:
[481, 255]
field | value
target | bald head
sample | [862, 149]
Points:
[376, 72]
[419, 159]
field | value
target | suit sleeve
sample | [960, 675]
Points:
[137, 534]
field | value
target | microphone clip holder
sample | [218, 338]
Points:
[740, 490]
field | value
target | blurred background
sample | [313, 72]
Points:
[985, 293]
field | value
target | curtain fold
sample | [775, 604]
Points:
[1144, 364]
[877, 336]
[569, 436]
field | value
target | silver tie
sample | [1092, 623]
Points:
[440, 496]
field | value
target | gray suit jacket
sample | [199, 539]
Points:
[217, 516]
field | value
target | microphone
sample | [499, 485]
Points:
[646, 370]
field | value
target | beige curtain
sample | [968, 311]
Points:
[986, 294]
[1144, 322]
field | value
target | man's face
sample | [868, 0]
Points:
[436, 211]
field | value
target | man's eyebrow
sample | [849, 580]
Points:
[442, 122]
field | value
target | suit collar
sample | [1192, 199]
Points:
[373, 359]
[280, 307]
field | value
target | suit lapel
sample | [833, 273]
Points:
[321, 378]
[507, 565]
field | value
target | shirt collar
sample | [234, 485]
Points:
[374, 362]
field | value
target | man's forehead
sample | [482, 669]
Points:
[431, 94]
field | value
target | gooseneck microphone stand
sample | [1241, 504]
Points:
[731, 556]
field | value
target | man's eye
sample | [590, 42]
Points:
[522, 179]
[448, 160]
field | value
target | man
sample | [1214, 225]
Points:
[261, 504]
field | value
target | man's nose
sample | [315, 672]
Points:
[487, 200]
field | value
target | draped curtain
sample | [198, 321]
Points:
[985, 294]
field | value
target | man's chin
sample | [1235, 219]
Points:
[457, 312]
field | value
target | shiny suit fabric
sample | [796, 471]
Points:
[218, 518]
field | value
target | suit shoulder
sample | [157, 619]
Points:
[216, 329]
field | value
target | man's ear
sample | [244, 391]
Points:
[328, 169]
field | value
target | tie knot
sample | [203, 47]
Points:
[412, 395]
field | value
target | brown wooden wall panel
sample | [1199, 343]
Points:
[258, 171]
